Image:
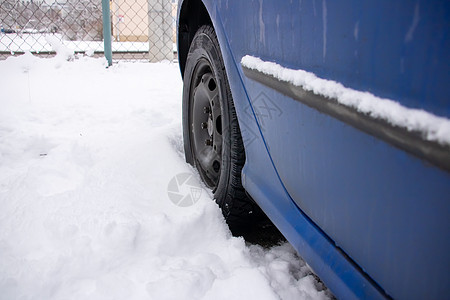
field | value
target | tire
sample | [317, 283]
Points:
[212, 138]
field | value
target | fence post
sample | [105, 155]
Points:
[106, 10]
[160, 30]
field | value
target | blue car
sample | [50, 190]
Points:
[333, 118]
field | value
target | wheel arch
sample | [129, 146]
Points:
[191, 16]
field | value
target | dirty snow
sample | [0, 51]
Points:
[433, 128]
[86, 157]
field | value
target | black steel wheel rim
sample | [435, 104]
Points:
[206, 122]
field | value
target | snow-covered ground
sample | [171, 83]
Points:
[37, 42]
[88, 156]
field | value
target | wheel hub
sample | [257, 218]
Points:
[206, 124]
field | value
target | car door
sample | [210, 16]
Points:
[382, 204]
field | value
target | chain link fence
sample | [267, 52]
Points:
[140, 29]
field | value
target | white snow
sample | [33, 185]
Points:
[86, 156]
[432, 127]
[38, 42]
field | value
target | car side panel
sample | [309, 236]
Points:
[386, 209]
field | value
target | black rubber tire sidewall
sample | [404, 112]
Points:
[229, 193]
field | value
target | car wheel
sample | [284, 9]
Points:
[212, 138]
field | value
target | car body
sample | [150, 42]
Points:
[365, 202]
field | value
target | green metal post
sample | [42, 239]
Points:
[107, 30]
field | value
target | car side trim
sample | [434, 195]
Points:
[412, 142]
